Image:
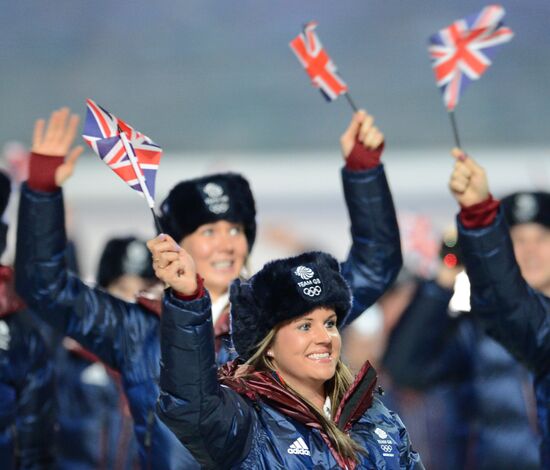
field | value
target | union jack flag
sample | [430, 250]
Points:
[319, 67]
[462, 52]
[133, 156]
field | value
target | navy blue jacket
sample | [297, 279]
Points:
[94, 431]
[453, 359]
[515, 315]
[229, 429]
[27, 396]
[126, 336]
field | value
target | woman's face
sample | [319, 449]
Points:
[219, 250]
[306, 350]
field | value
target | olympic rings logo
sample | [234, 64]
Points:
[312, 291]
[386, 448]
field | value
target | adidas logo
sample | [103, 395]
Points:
[298, 447]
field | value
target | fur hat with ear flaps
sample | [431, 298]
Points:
[221, 196]
[124, 256]
[282, 290]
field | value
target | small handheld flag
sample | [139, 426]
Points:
[133, 156]
[318, 65]
[462, 52]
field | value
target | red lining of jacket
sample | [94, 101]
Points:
[257, 386]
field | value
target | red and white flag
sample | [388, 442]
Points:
[462, 52]
[316, 61]
[133, 156]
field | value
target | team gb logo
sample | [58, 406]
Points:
[310, 284]
[216, 201]
[304, 272]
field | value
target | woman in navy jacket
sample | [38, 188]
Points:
[288, 401]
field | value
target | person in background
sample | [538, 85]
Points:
[27, 389]
[477, 395]
[95, 425]
[509, 272]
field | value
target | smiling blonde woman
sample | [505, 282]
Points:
[288, 401]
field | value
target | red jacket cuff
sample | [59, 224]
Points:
[481, 214]
[199, 293]
[42, 172]
[363, 158]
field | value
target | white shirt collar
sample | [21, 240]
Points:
[219, 306]
[327, 408]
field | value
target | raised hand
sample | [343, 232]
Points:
[361, 129]
[468, 182]
[55, 139]
[173, 265]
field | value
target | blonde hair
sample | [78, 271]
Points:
[336, 387]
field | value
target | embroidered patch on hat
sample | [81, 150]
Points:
[525, 207]
[309, 284]
[215, 198]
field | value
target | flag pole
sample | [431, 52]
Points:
[141, 179]
[455, 128]
[157, 222]
[351, 102]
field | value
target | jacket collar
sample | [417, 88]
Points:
[151, 302]
[267, 387]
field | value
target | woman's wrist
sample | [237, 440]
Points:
[197, 294]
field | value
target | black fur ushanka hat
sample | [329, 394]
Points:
[122, 256]
[282, 290]
[222, 196]
[527, 207]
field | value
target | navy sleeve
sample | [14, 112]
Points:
[427, 345]
[375, 256]
[36, 410]
[511, 312]
[213, 422]
[110, 328]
